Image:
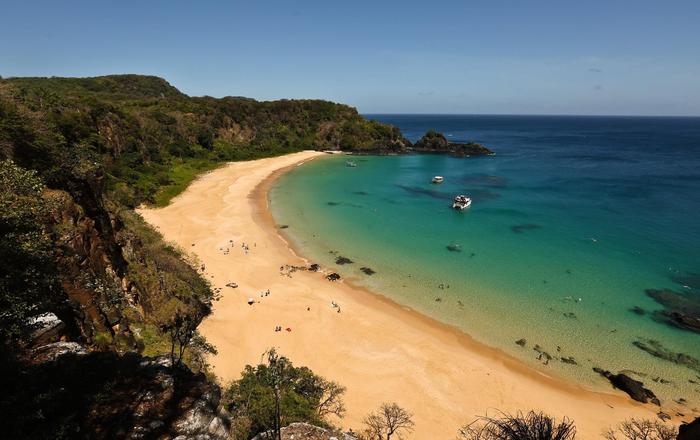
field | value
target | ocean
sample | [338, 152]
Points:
[572, 221]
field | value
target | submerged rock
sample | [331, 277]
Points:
[655, 349]
[521, 342]
[638, 311]
[569, 360]
[368, 270]
[314, 267]
[518, 229]
[682, 309]
[343, 260]
[634, 388]
[689, 280]
[453, 247]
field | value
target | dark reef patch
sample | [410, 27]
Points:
[484, 180]
[681, 309]
[368, 270]
[507, 212]
[361, 193]
[638, 311]
[332, 203]
[481, 195]
[655, 349]
[687, 279]
[343, 260]
[519, 229]
[418, 191]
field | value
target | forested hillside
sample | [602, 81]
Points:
[81, 271]
[150, 139]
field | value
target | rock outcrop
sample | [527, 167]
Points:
[634, 388]
[305, 431]
[435, 142]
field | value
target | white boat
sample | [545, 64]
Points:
[350, 164]
[438, 179]
[461, 203]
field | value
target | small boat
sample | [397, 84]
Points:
[461, 203]
[438, 179]
[350, 164]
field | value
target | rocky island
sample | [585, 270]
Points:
[436, 142]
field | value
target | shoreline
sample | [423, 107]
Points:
[261, 200]
[386, 351]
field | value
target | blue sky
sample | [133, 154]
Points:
[515, 57]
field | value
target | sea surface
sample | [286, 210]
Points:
[572, 220]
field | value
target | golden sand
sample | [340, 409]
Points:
[380, 350]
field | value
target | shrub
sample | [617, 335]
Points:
[640, 429]
[530, 426]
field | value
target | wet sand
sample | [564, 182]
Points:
[380, 350]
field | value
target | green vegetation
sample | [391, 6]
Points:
[28, 276]
[151, 139]
[272, 395]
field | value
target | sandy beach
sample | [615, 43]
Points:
[379, 350]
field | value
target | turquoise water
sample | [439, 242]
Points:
[571, 221]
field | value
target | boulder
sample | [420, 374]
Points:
[634, 388]
[51, 352]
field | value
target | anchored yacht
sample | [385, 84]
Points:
[461, 203]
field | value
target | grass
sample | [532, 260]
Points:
[180, 176]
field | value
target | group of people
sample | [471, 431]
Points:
[279, 328]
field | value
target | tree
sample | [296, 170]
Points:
[180, 331]
[640, 429]
[530, 426]
[332, 399]
[390, 419]
[275, 393]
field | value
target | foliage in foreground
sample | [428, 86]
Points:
[530, 426]
[390, 420]
[640, 429]
[274, 394]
